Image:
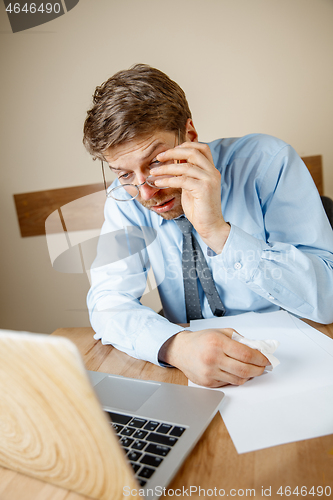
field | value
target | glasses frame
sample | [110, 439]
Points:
[137, 186]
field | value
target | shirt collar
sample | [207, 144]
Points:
[161, 221]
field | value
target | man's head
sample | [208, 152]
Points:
[135, 112]
[134, 103]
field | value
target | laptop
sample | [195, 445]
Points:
[101, 435]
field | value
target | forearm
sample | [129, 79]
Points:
[130, 326]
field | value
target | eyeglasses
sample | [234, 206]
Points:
[128, 192]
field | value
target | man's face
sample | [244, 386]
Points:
[132, 162]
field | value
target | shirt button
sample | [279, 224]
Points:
[238, 265]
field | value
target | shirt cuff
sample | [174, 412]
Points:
[162, 330]
[241, 254]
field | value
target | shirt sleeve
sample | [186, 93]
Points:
[118, 280]
[293, 266]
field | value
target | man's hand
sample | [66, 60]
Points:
[200, 182]
[211, 358]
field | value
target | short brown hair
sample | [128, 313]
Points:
[134, 103]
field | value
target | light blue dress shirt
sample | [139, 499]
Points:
[279, 253]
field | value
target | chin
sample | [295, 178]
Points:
[172, 214]
[161, 196]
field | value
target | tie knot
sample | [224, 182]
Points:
[184, 225]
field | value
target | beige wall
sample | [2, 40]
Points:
[246, 66]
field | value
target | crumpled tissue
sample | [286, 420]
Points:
[266, 347]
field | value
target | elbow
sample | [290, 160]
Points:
[326, 319]
[321, 311]
[321, 315]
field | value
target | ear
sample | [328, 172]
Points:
[191, 134]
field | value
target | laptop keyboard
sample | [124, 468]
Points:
[145, 442]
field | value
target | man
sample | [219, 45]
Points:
[256, 215]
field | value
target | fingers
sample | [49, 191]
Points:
[226, 378]
[241, 352]
[232, 362]
[245, 354]
[214, 377]
[180, 169]
[202, 147]
[241, 370]
[192, 152]
[186, 176]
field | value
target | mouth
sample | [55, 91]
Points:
[164, 207]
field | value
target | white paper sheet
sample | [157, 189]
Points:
[295, 400]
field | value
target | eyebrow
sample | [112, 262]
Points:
[146, 155]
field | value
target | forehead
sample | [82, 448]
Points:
[139, 149]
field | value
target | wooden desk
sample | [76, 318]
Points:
[214, 463]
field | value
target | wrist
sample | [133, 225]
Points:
[217, 239]
[171, 350]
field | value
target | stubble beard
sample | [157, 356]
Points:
[164, 196]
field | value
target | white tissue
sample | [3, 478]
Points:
[266, 347]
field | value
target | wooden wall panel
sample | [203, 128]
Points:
[315, 166]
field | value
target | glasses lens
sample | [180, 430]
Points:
[126, 192]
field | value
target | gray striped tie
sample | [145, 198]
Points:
[194, 265]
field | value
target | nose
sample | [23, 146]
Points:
[147, 192]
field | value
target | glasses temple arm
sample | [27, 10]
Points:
[104, 178]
